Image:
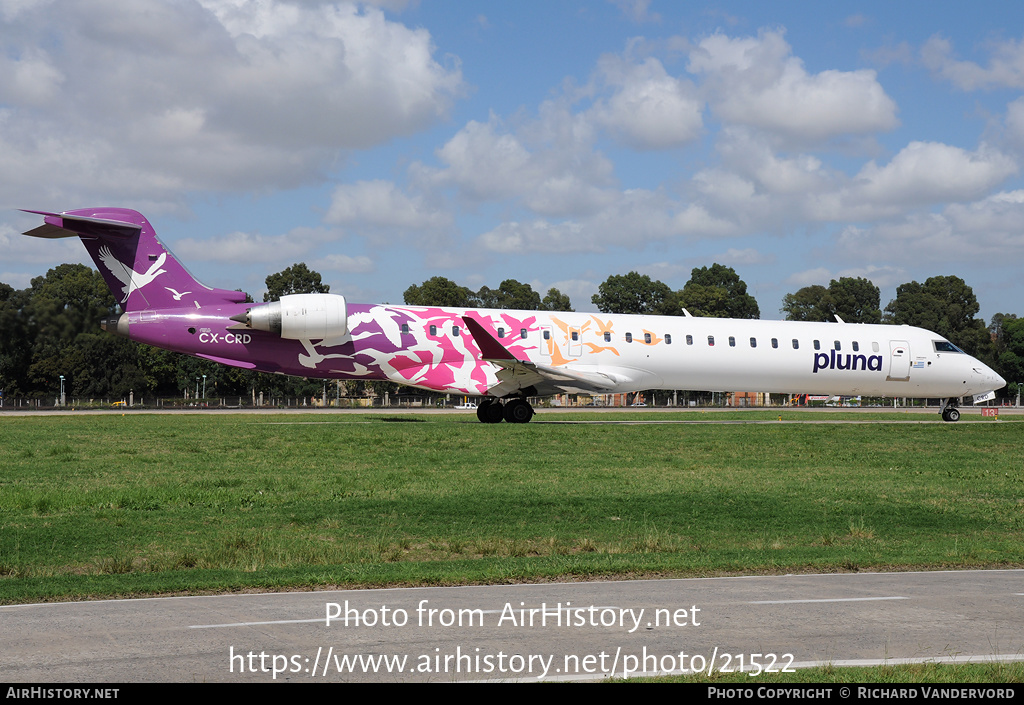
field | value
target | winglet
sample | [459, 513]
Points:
[490, 349]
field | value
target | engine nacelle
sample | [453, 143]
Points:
[301, 316]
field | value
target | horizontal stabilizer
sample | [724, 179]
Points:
[63, 225]
[50, 231]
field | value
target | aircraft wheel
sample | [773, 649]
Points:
[952, 414]
[518, 411]
[490, 412]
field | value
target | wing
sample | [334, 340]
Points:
[516, 374]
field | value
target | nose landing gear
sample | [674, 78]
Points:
[949, 411]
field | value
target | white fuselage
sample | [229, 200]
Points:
[716, 354]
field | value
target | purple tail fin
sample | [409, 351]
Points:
[141, 273]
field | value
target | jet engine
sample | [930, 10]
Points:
[300, 316]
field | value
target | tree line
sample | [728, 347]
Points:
[51, 328]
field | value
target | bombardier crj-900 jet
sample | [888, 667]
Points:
[505, 356]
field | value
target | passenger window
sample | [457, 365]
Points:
[501, 332]
[522, 333]
[668, 339]
[711, 341]
[607, 337]
[753, 342]
[575, 335]
[874, 347]
[647, 338]
[547, 335]
[732, 341]
[433, 330]
[629, 337]
[405, 328]
[689, 340]
[856, 346]
[817, 345]
[796, 344]
[775, 342]
[837, 346]
[455, 331]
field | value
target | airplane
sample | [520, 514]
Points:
[504, 356]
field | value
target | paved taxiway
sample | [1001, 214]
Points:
[840, 618]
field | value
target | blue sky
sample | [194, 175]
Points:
[556, 143]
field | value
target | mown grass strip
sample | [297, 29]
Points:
[117, 505]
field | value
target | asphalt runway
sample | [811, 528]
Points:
[556, 631]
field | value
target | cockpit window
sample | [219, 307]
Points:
[946, 346]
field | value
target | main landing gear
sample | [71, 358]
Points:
[516, 410]
[949, 411]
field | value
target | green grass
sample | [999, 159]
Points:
[139, 504]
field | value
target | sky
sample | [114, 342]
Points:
[556, 143]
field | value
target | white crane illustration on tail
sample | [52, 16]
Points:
[131, 279]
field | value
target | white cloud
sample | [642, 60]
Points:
[633, 220]
[922, 174]
[756, 82]
[31, 79]
[809, 277]
[346, 264]
[548, 163]
[381, 204]
[538, 236]
[648, 109]
[160, 98]
[1005, 68]
[487, 164]
[1015, 124]
[930, 172]
[984, 231]
[251, 248]
[752, 156]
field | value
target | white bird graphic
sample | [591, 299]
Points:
[175, 294]
[131, 279]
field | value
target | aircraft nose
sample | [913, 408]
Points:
[990, 377]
